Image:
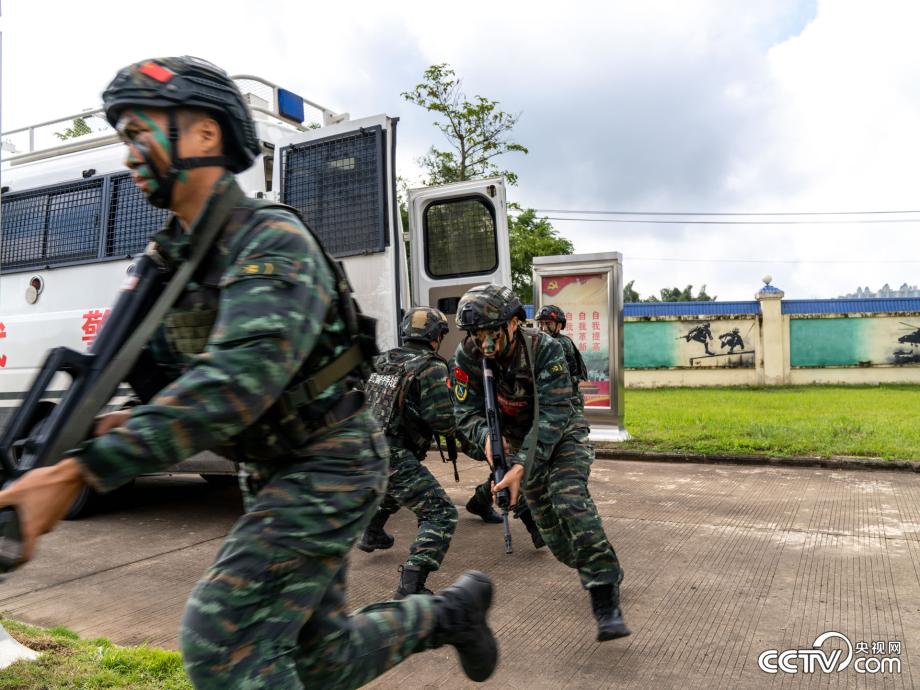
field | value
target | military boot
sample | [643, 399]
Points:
[374, 537]
[527, 518]
[411, 581]
[460, 620]
[605, 601]
[483, 510]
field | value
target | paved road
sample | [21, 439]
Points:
[723, 562]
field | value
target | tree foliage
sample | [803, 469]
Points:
[674, 294]
[529, 237]
[476, 130]
[78, 128]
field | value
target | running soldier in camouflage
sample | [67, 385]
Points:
[264, 320]
[552, 320]
[547, 438]
[412, 402]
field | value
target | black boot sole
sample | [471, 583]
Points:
[370, 548]
[483, 665]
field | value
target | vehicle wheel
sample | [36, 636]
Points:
[83, 505]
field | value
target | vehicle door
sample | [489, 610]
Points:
[458, 235]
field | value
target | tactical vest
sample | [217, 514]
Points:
[297, 415]
[388, 392]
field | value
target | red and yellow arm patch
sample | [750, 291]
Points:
[461, 376]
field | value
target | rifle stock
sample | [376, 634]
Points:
[33, 437]
[499, 460]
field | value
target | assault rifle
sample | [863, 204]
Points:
[499, 461]
[32, 439]
[40, 433]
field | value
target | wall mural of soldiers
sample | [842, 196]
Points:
[731, 340]
[701, 334]
[733, 349]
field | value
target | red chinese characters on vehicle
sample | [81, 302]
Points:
[93, 321]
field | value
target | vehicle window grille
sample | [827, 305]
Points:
[339, 187]
[132, 220]
[460, 238]
[51, 226]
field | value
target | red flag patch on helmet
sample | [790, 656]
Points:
[156, 71]
[461, 376]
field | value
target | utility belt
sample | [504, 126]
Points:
[281, 436]
[418, 448]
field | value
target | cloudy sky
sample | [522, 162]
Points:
[703, 106]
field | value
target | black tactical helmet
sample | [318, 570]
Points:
[188, 82]
[551, 312]
[488, 306]
[423, 323]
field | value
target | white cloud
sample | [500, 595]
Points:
[660, 105]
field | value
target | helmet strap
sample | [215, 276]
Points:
[162, 196]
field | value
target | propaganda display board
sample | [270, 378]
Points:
[588, 288]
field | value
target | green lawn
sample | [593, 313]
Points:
[856, 421]
[66, 661]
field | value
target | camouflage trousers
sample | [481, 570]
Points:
[270, 612]
[413, 486]
[557, 493]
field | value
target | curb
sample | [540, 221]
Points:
[834, 463]
[12, 651]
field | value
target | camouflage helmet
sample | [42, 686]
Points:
[423, 323]
[551, 312]
[488, 306]
[188, 82]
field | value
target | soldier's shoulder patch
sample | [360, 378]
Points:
[461, 390]
[556, 368]
[278, 267]
[461, 376]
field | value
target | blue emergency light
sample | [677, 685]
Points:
[290, 105]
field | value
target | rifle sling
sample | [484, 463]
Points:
[116, 371]
[304, 393]
[529, 444]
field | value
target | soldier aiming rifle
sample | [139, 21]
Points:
[549, 454]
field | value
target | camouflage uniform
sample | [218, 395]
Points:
[270, 612]
[428, 410]
[574, 363]
[573, 358]
[556, 485]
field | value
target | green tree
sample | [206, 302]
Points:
[476, 130]
[629, 293]
[686, 295]
[529, 237]
[77, 129]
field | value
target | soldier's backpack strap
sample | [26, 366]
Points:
[582, 367]
[361, 328]
[529, 445]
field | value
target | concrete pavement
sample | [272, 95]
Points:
[723, 563]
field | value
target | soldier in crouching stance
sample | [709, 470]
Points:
[411, 400]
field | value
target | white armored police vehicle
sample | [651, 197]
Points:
[72, 219]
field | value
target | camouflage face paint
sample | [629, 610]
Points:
[491, 341]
